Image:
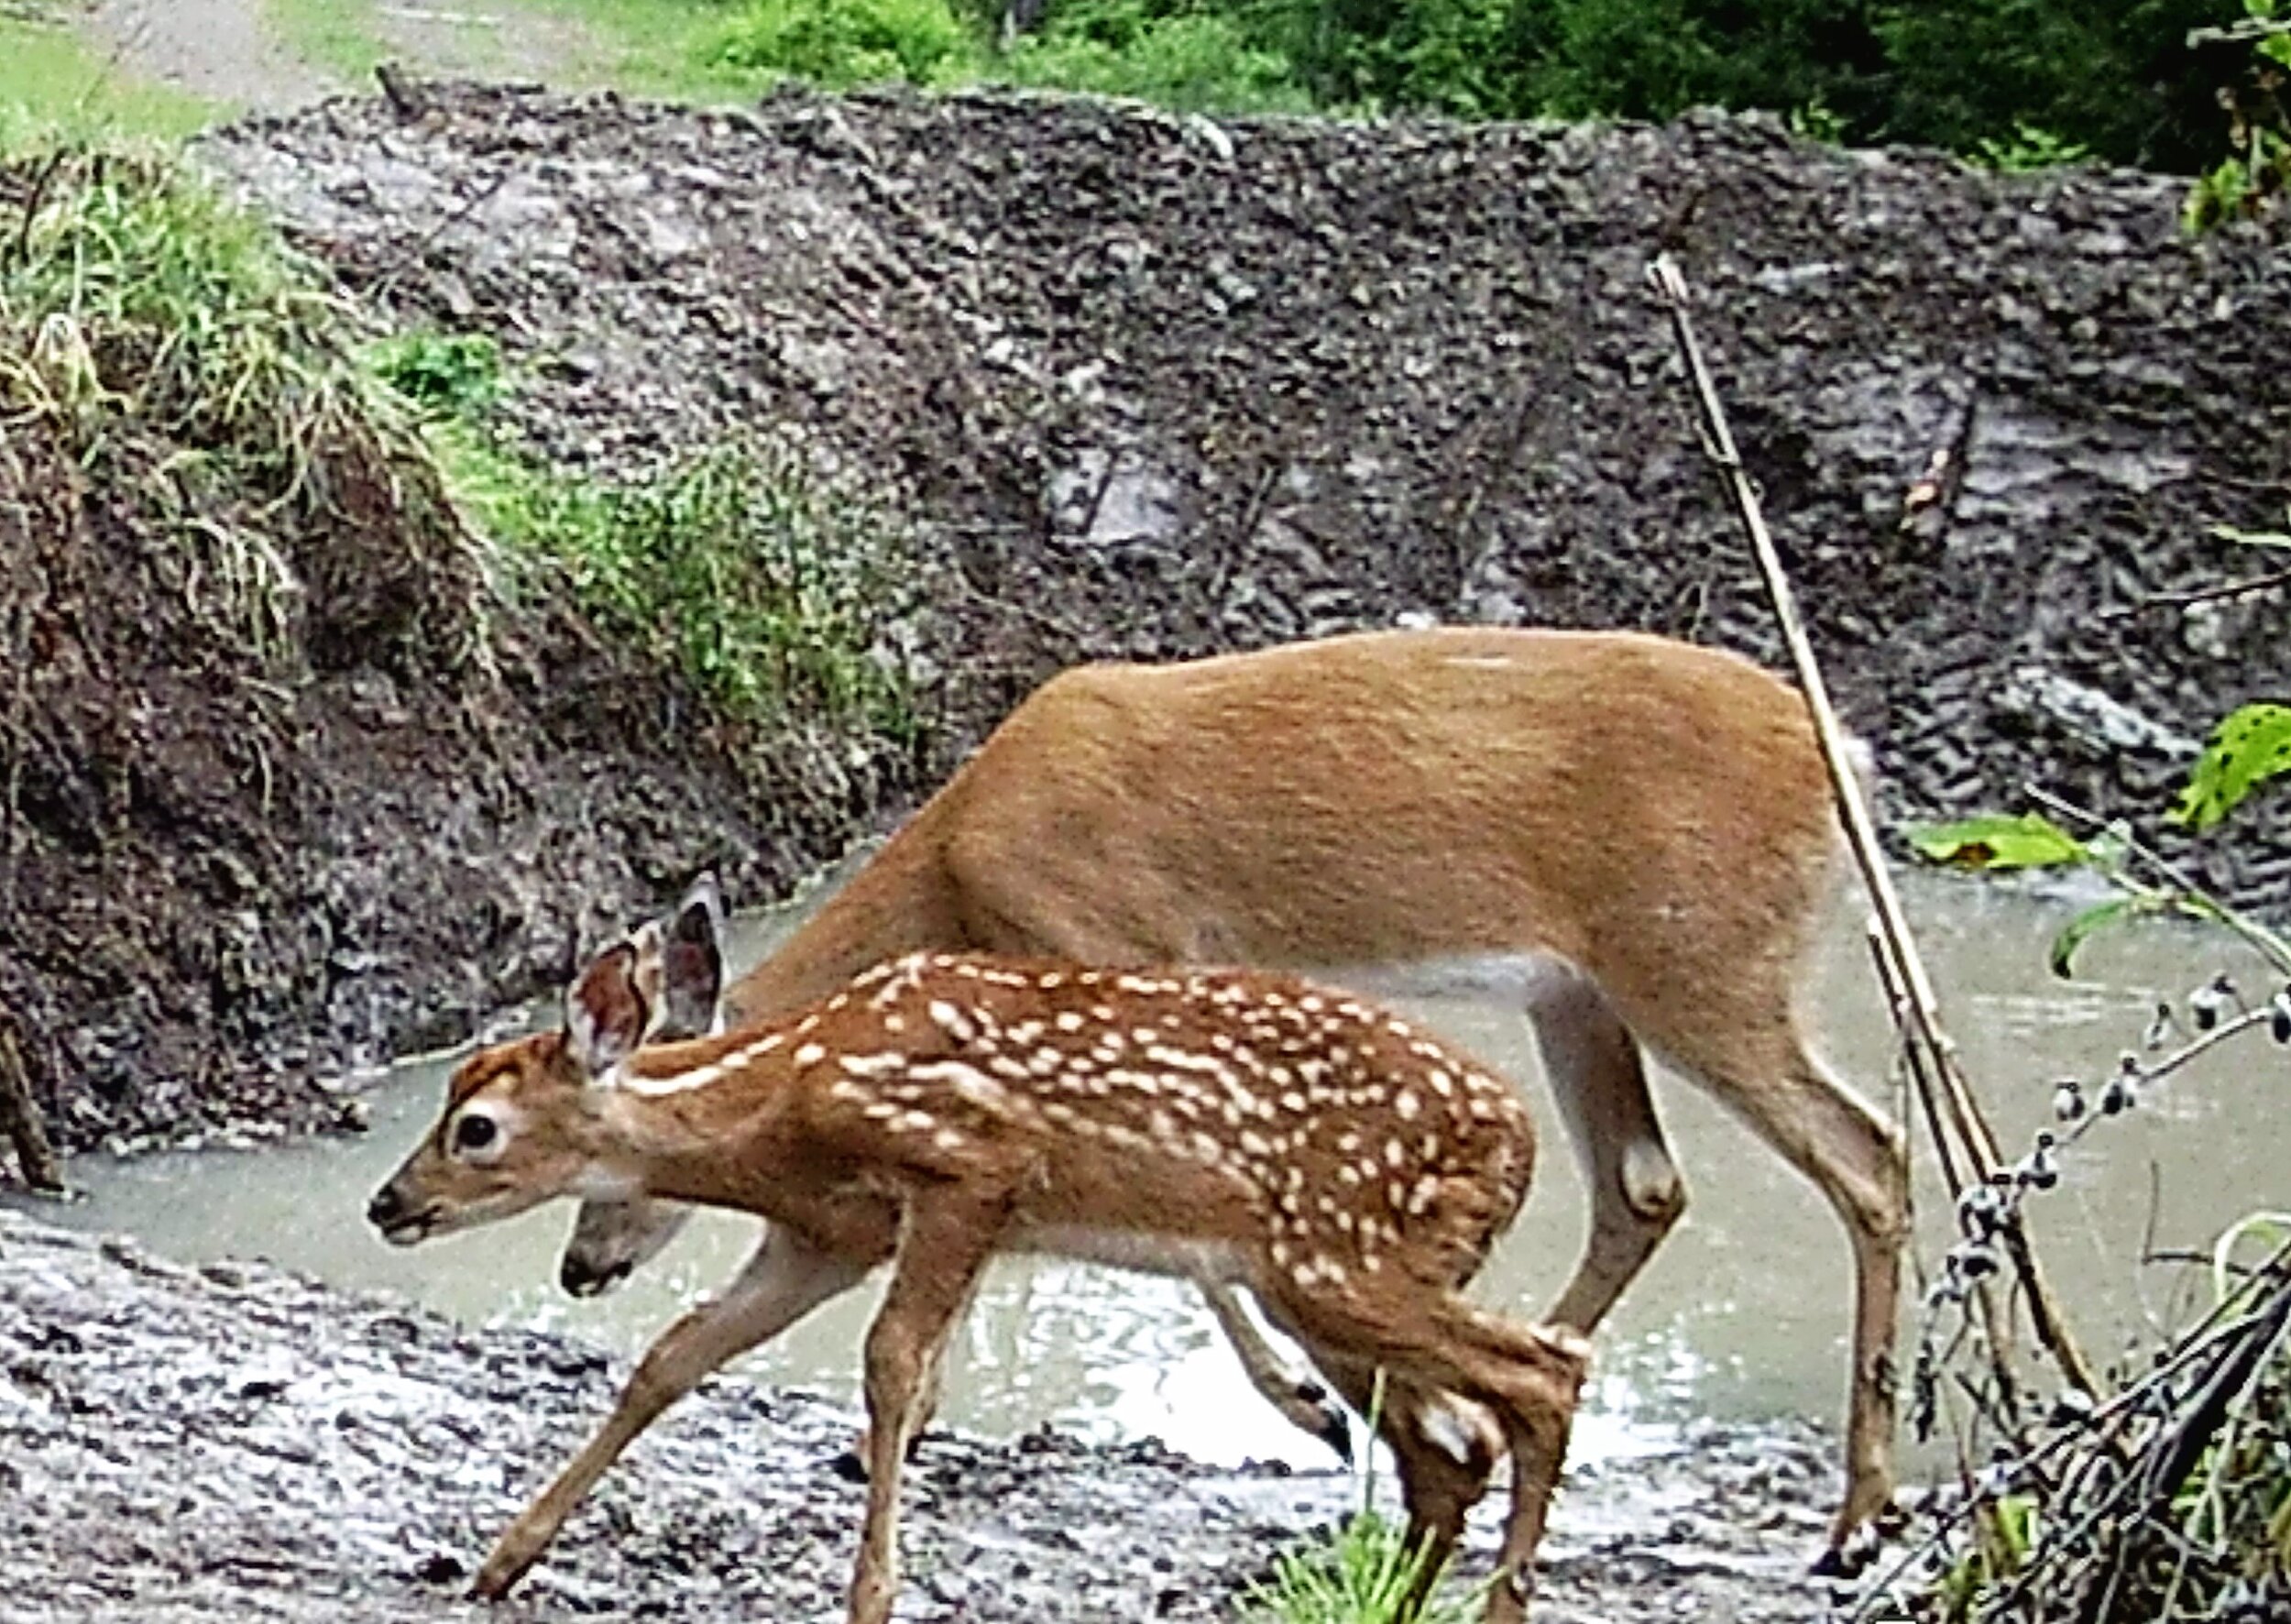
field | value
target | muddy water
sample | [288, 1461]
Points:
[1742, 1314]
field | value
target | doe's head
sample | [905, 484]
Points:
[612, 1239]
[519, 1121]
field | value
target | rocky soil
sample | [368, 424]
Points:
[232, 1444]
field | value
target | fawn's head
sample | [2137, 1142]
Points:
[518, 1119]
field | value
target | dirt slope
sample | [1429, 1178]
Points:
[1162, 386]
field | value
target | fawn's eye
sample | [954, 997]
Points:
[475, 1133]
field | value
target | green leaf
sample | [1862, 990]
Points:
[2060, 956]
[2252, 745]
[2254, 538]
[2031, 840]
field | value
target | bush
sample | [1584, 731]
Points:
[1191, 60]
[842, 43]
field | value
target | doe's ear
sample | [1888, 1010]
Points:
[692, 963]
[610, 1008]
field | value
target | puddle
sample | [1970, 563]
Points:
[1741, 1316]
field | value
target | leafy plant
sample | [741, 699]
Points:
[2169, 1498]
[842, 43]
[445, 373]
[2029, 149]
[2250, 747]
[2256, 172]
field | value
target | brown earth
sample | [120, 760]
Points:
[1139, 385]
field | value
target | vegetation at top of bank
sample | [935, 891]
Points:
[2008, 81]
[311, 499]
[196, 376]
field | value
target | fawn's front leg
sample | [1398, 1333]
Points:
[786, 1280]
[943, 1243]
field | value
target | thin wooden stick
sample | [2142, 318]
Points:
[21, 1124]
[1924, 1031]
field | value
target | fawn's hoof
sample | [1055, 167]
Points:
[1333, 1427]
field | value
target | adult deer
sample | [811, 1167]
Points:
[1229, 1127]
[1631, 836]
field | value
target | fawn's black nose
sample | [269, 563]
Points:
[387, 1211]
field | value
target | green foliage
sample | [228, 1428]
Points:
[1196, 61]
[2256, 172]
[444, 375]
[2029, 149]
[144, 317]
[2116, 76]
[1360, 1575]
[2251, 746]
[842, 43]
[1815, 121]
[2013, 83]
[773, 598]
[1998, 841]
[2003, 1532]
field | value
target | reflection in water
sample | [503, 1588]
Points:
[1741, 1314]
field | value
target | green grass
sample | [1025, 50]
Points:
[775, 595]
[1359, 1575]
[201, 374]
[657, 47]
[52, 83]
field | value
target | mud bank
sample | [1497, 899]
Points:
[1137, 384]
[235, 1443]
[1159, 386]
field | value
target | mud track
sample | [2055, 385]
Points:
[228, 1444]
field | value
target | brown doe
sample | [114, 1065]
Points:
[1245, 1129]
[1628, 836]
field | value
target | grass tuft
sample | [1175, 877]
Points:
[189, 365]
[1361, 1574]
[777, 598]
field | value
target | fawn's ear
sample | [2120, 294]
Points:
[692, 963]
[609, 1009]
